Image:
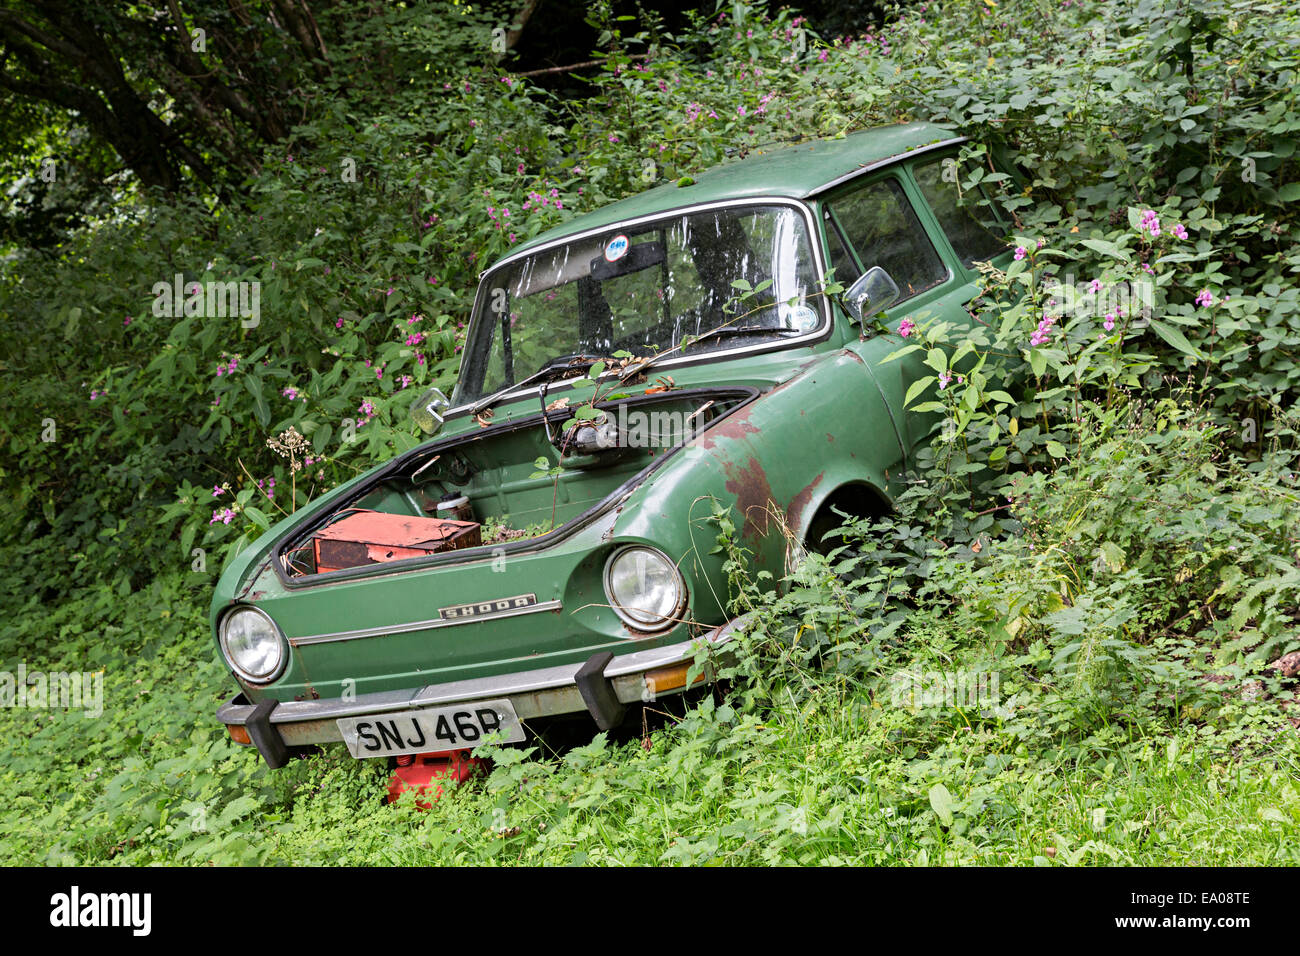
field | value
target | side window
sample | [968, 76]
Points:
[880, 224]
[972, 229]
[841, 262]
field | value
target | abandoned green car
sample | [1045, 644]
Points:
[549, 551]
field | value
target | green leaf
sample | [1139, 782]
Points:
[1056, 449]
[1175, 338]
[1037, 362]
[899, 353]
[1106, 249]
[260, 408]
[1113, 555]
[941, 803]
[917, 387]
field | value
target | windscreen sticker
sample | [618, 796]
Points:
[616, 248]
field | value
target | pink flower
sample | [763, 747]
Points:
[1021, 252]
[905, 327]
[944, 379]
[1204, 298]
[1044, 330]
[1178, 231]
[290, 393]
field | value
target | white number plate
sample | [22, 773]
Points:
[431, 729]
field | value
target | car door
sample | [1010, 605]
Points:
[881, 221]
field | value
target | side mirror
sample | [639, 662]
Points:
[427, 410]
[874, 292]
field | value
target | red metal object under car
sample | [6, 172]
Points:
[419, 771]
[371, 537]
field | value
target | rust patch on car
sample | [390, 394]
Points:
[735, 426]
[753, 495]
[800, 501]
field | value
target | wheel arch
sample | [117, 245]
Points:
[859, 497]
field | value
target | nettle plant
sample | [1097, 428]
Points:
[1150, 573]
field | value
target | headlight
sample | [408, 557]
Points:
[252, 645]
[644, 588]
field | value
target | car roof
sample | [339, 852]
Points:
[794, 172]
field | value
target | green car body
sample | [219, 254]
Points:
[780, 431]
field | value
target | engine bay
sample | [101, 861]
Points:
[505, 483]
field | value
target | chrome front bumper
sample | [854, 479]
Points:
[600, 686]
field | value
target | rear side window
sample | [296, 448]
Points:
[970, 227]
[881, 226]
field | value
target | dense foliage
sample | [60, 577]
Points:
[1105, 519]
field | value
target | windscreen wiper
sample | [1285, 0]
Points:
[570, 363]
[720, 330]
